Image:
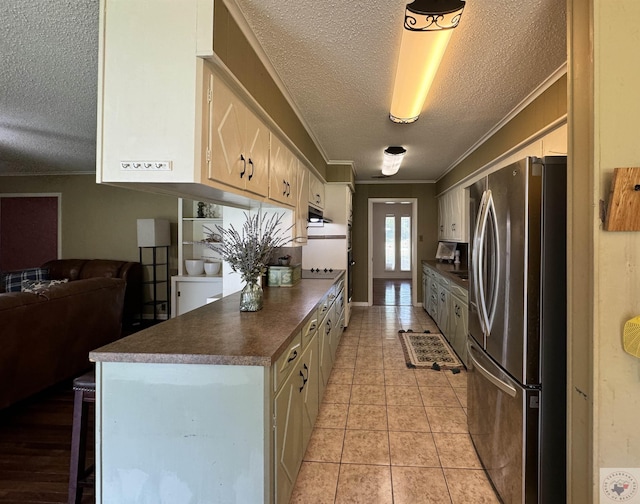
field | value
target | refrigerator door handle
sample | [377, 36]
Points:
[493, 298]
[478, 261]
[502, 385]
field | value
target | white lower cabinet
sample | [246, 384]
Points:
[189, 293]
[458, 321]
[310, 390]
[442, 317]
[447, 304]
[288, 435]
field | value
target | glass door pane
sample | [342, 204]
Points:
[405, 243]
[390, 243]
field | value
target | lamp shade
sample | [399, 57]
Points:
[153, 233]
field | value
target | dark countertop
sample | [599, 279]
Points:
[446, 269]
[219, 333]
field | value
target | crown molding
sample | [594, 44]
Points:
[546, 84]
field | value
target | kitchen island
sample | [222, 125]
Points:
[216, 405]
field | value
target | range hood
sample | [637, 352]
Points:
[316, 216]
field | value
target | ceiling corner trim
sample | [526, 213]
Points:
[393, 182]
[546, 84]
[239, 18]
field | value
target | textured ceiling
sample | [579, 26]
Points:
[337, 60]
[48, 82]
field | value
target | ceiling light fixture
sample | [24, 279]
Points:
[428, 25]
[392, 160]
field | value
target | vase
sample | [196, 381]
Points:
[251, 297]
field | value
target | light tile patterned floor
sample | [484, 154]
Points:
[388, 434]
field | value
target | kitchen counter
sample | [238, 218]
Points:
[448, 270]
[216, 405]
[219, 333]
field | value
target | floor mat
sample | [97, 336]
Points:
[428, 350]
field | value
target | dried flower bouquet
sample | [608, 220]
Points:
[248, 251]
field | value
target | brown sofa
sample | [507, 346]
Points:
[80, 269]
[47, 337]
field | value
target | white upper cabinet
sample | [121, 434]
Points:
[283, 169]
[239, 142]
[151, 94]
[316, 192]
[302, 205]
[452, 216]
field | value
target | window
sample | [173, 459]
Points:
[390, 242]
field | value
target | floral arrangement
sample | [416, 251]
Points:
[248, 251]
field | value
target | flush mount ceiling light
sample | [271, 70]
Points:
[392, 159]
[428, 25]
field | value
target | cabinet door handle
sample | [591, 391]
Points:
[288, 189]
[252, 169]
[284, 187]
[292, 356]
[327, 328]
[305, 379]
[244, 168]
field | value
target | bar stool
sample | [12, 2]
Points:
[84, 393]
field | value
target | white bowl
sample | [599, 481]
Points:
[212, 268]
[194, 266]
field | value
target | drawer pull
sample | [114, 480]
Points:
[292, 356]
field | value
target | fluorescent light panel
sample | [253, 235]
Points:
[427, 29]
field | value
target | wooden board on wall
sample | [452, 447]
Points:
[623, 213]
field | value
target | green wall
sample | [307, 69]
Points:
[427, 227]
[230, 44]
[544, 110]
[99, 221]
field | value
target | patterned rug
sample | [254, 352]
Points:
[428, 350]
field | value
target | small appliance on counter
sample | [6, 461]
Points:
[446, 251]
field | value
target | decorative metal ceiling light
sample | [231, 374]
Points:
[428, 25]
[392, 160]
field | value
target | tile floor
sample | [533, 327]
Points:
[386, 433]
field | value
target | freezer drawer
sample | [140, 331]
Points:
[503, 424]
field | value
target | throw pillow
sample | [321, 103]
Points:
[37, 286]
[13, 281]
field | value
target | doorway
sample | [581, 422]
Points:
[392, 270]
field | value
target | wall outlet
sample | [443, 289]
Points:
[145, 165]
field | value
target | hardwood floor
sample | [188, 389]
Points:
[391, 292]
[35, 441]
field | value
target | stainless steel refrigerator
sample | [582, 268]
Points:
[517, 328]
